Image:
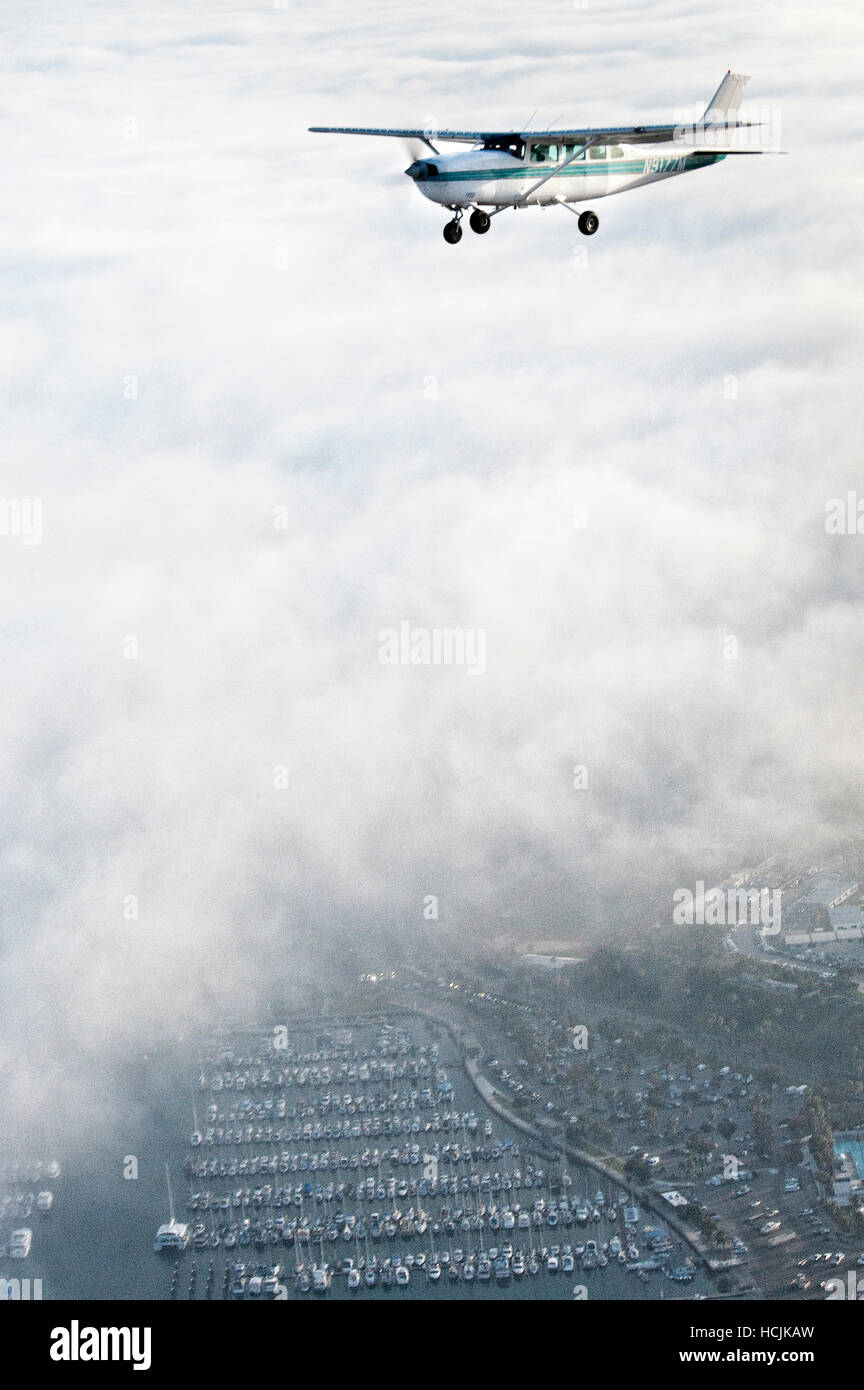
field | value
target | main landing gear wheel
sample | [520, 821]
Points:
[588, 223]
[479, 221]
[452, 232]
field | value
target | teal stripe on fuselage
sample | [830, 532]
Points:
[599, 167]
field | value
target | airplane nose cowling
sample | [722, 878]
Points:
[421, 169]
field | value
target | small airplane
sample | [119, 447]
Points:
[561, 167]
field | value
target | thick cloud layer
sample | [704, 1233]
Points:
[268, 414]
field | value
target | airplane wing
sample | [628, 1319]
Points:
[716, 118]
[468, 136]
[624, 134]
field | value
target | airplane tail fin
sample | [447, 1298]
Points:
[727, 98]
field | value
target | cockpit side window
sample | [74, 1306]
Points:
[545, 154]
[616, 152]
[597, 152]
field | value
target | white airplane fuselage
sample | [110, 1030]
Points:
[482, 177]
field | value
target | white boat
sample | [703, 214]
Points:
[173, 1235]
[403, 1276]
[45, 1202]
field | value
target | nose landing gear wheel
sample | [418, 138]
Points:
[479, 222]
[452, 232]
[588, 223]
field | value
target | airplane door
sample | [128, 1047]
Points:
[597, 179]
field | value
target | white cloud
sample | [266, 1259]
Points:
[158, 173]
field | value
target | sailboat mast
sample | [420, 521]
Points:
[170, 1194]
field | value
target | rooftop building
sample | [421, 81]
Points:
[848, 1166]
[547, 963]
[846, 917]
[829, 892]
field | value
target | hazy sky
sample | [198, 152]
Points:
[256, 412]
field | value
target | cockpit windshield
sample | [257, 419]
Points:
[508, 144]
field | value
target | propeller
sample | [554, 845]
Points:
[414, 150]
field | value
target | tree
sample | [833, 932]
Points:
[763, 1131]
